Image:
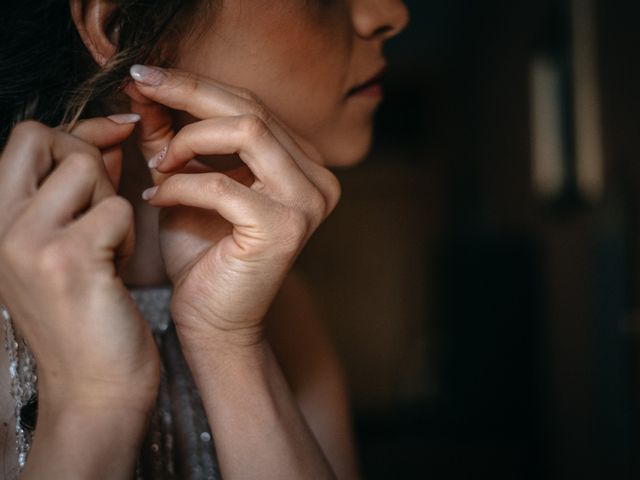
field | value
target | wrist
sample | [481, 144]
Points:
[223, 355]
[200, 336]
[83, 402]
[109, 416]
[251, 409]
[92, 392]
[80, 439]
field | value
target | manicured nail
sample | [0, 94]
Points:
[158, 157]
[152, 76]
[124, 118]
[149, 193]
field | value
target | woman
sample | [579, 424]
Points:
[223, 181]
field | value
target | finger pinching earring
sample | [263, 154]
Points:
[158, 157]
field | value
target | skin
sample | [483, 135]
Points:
[228, 238]
[273, 49]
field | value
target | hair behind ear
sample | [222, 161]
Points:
[40, 54]
[48, 74]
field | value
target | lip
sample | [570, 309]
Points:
[368, 86]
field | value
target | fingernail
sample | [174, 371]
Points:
[149, 193]
[152, 76]
[124, 118]
[158, 157]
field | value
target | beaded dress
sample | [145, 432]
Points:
[178, 443]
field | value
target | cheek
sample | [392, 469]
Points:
[308, 92]
[296, 64]
[346, 140]
[305, 72]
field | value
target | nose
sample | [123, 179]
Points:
[380, 19]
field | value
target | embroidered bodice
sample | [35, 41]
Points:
[178, 444]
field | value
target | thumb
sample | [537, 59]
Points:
[155, 128]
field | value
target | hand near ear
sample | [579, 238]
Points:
[155, 129]
[107, 134]
[227, 242]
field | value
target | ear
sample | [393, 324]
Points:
[94, 20]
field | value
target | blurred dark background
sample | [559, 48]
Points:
[481, 276]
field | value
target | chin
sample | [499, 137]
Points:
[348, 152]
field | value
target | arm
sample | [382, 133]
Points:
[228, 241]
[312, 368]
[62, 231]
[86, 441]
[291, 380]
[259, 430]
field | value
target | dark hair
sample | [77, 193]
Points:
[47, 74]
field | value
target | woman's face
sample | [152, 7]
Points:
[302, 57]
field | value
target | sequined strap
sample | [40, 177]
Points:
[179, 427]
[22, 372]
[154, 303]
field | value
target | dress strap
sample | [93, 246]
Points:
[154, 303]
[24, 388]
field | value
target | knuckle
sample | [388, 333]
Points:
[258, 109]
[171, 186]
[294, 230]
[83, 164]
[255, 105]
[217, 185]
[119, 206]
[317, 205]
[28, 128]
[188, 83]
[248, 95]
[185, 133]
[93, 151]
[253, 125]
[190, 80]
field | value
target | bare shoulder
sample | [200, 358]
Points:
[7, 420]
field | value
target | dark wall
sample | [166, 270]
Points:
[531, 305]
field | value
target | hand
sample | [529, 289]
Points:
[63, 230]
[228, 239]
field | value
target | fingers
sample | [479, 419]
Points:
[246, 135]
[32, 151]
[214, 191]
[55, 177]
[112, 158]
[108, 227]
[155, 129]
[205, 98]
[202, 98]
[105, 132]
[78, 183]
[310, 162]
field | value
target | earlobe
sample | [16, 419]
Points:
[94, 21]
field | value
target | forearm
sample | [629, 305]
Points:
[86, 442]
[258, 428]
